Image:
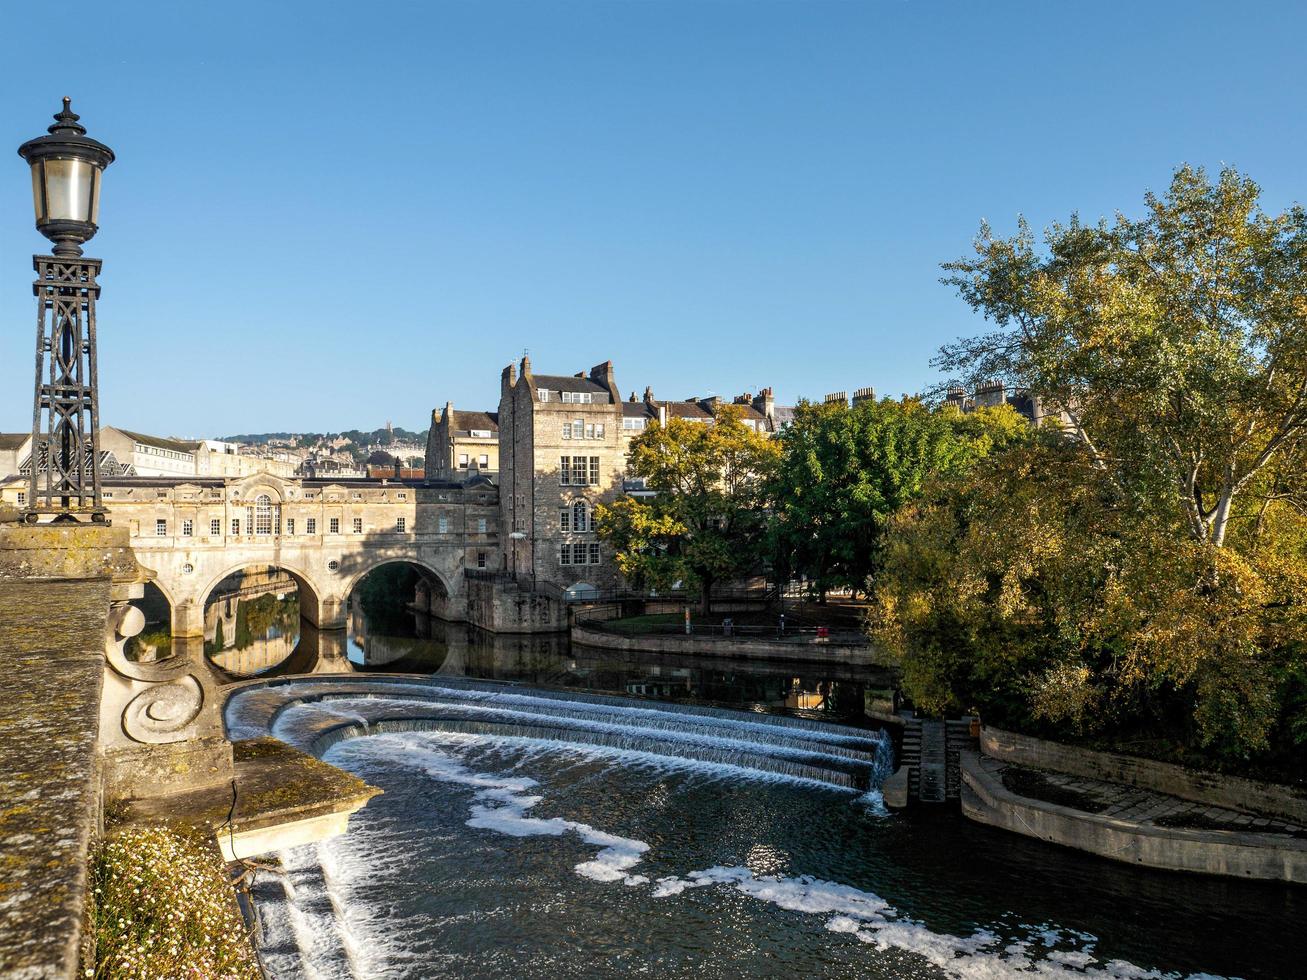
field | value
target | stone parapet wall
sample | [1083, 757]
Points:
[1221, 852]
[1199, 786]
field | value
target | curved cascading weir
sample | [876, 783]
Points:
[866, 747]
[830, 754]
[573, 736]
[690, 825]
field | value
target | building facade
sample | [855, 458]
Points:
[462, 444]
[563, 441]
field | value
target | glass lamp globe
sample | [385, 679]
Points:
[67, 166]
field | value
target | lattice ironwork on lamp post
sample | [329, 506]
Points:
[67, 166]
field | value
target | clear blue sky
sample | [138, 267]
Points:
[326, 215]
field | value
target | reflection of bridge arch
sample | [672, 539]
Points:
[309, 595]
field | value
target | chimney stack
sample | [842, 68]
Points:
[864, 395]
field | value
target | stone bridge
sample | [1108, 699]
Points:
[327, 535]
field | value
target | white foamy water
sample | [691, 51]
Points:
[338, 934]
[869, 918]
[501, 804]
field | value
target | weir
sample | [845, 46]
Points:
[310, 715]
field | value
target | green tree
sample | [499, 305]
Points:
[1030, 590]
[1176, 344]
[1146, 573]
[843, 472]
[708, 519]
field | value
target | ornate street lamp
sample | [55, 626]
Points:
[67, 166]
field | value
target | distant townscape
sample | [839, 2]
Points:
[350, 454]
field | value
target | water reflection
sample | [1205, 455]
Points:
[413, 642]
[252, 622]
[252, 628]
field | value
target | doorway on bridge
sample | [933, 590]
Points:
[391, 621]
[252, 621]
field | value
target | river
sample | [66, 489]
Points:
[542, 830]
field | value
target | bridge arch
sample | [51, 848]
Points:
[370, 565]
[303, 579]
[255, 627]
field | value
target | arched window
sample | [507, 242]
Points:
[263, 514]
[580, 516]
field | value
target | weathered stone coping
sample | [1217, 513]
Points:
[1214, 789]
[51, 655]
[283, 797]
[1221, 852]
[744, 648]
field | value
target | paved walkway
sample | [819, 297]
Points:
[1129, 802]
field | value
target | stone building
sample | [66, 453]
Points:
[993, 393]
[152, 455]
[15, 451]
[561, 453]
[563, 441]
[462, 444]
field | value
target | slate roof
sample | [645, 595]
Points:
[14, 440]
[467, 421]
[687, 410]
[683, 410]
[559, 382]
[176, 445]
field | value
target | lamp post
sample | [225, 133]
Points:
[67, 166]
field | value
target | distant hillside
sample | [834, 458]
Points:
[357, 436]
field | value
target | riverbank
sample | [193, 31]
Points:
[804, 648]
[1135, 811]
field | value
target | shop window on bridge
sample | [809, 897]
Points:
[310, 525]
[290, 525]
[442, 525]
[333, 525]
[235, 525]
[481, 525]
[401, 524]
[161, 528]
[481, 559]
[358, 525]
[215, 527]
[188, 529]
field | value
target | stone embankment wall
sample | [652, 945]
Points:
[1161, 777]
[1221, 852]
[794, 651]
[502, 607]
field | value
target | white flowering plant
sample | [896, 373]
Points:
[164, 910]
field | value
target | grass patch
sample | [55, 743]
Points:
[164, 909]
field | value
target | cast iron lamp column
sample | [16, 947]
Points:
[67, 166]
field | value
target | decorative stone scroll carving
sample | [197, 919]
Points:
[166, 710]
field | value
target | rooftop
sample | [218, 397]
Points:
[159, 442]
